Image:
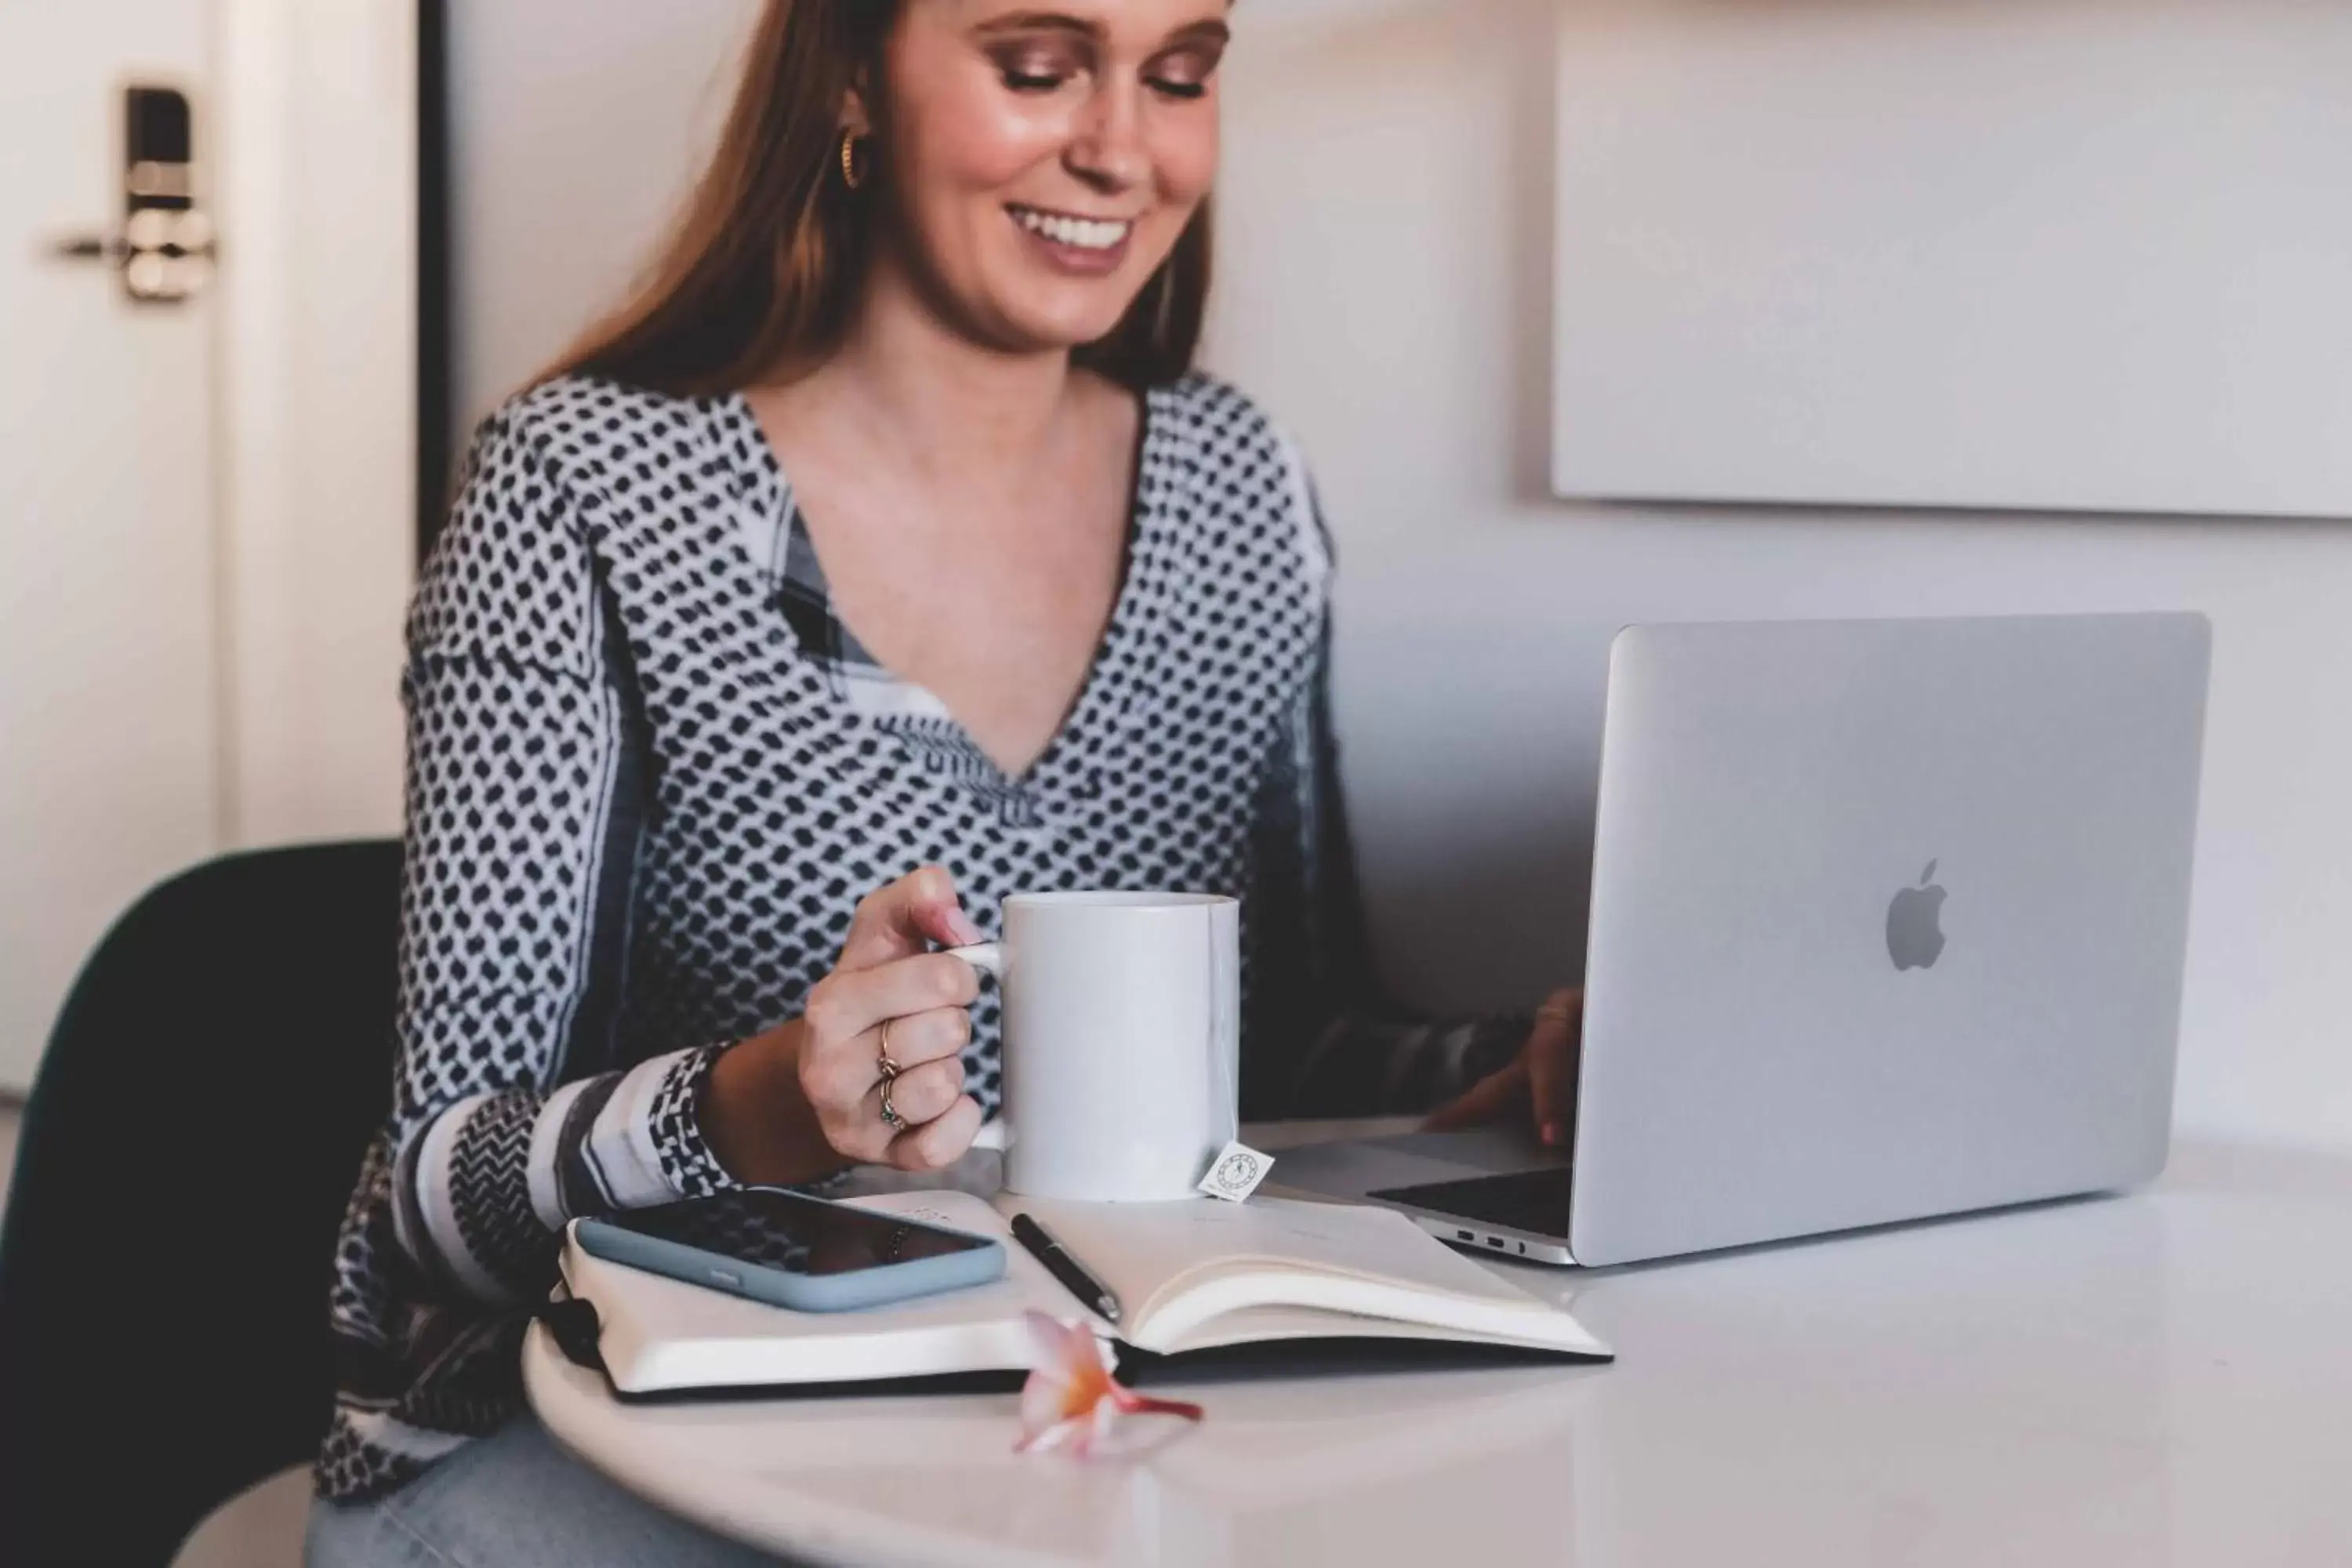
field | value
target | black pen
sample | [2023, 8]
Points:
[1065, 1267]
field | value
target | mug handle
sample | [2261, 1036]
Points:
[988, 956]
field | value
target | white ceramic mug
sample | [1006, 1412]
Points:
[1122, 1042]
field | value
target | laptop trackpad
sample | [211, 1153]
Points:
[1480, 1147]
[1354, 1168]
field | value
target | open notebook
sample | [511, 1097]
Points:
[1189, 1277]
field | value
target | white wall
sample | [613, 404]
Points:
[2080, 255]
[575, 128]
[1386, 288]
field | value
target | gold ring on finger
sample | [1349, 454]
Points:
[889, 1069]
[890, 1117]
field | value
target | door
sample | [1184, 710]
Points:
[108, 685]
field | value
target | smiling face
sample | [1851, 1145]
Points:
[1044, 160]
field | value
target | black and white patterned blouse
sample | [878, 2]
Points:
[651, 774]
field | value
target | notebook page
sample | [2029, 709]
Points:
[1544, 1330]
[1150, 1254]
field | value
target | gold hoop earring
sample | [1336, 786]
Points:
[850, 173]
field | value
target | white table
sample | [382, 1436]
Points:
[2161, 1378]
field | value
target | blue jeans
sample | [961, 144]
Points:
[513, 1500]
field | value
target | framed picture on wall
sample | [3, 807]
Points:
[2070, 255]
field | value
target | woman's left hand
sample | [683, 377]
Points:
[1540, 1081]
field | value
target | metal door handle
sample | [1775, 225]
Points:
[162, 254]
[85, 248]
[163, 251]
[187, 231]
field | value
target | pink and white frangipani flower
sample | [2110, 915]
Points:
[1071, 1399]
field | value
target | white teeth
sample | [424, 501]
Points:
[1079, 233]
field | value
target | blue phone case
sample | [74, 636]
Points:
[875, 1286]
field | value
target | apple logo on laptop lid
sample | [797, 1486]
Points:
[1914, 933]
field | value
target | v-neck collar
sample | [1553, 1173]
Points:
[1058, 770]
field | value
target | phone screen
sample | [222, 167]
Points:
[793, 1233]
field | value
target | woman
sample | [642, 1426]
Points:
[883, 559]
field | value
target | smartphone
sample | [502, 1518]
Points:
[792, 1250]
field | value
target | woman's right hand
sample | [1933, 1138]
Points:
[805, 1098]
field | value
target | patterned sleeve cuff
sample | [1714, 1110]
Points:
[688, 1162]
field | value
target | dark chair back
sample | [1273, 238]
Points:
[183, 1166]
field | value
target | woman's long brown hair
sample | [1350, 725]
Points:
[764, 270]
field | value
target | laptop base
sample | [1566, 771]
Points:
[1487, 1190]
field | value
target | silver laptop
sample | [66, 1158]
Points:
[1888, 920]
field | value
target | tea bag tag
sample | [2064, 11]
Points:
[1236, 1172]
